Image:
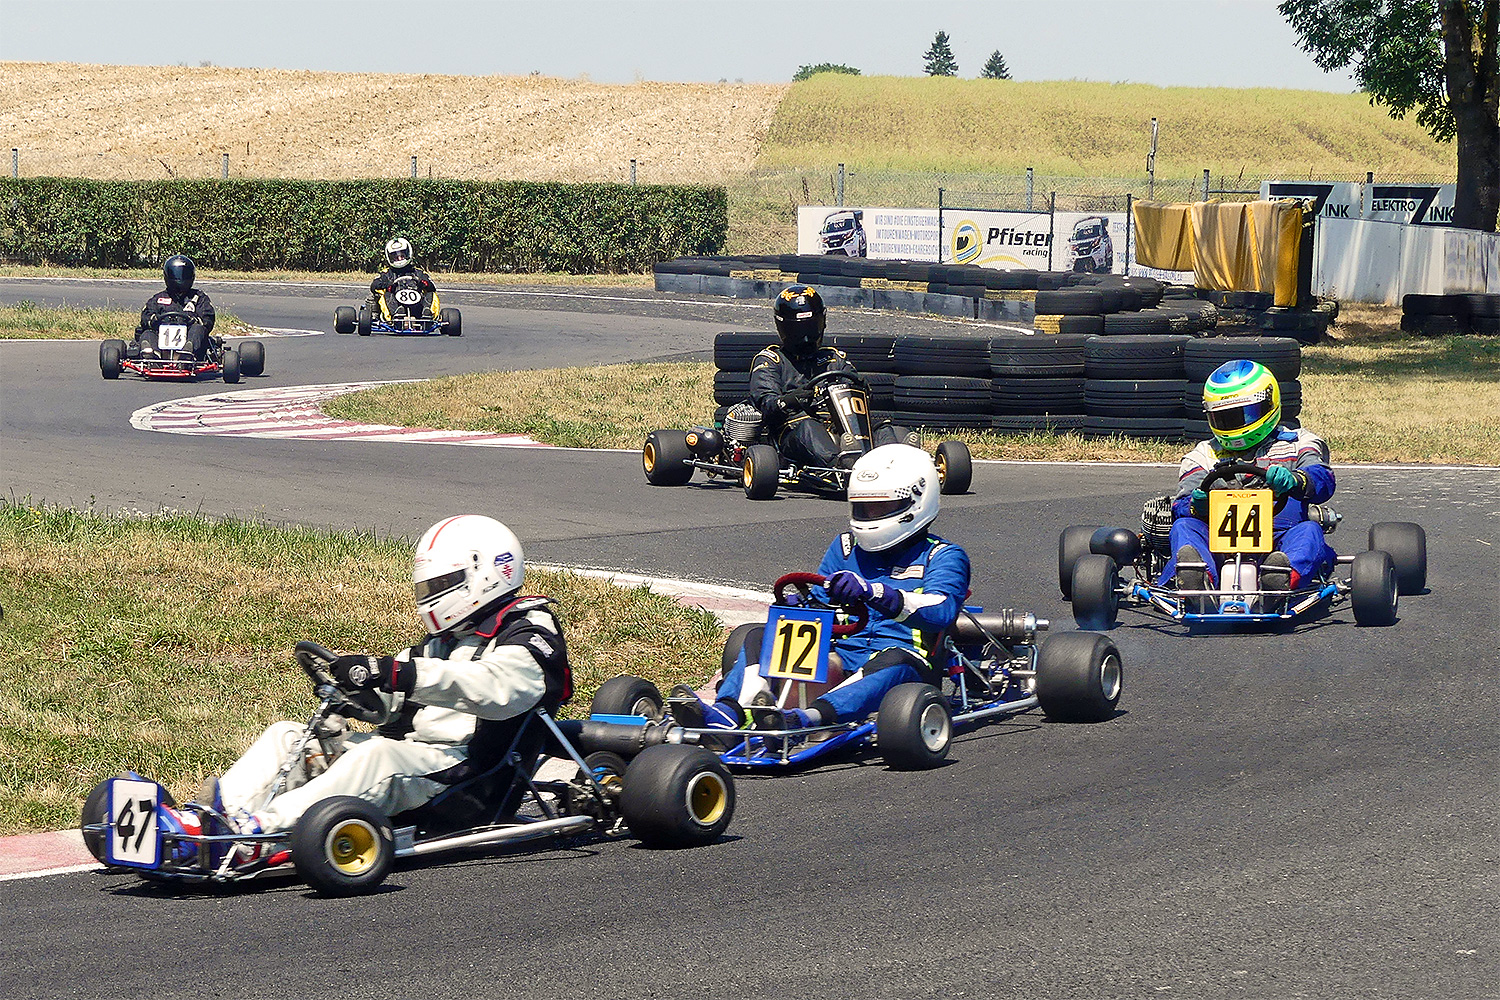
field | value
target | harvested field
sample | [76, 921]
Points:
[138, 122]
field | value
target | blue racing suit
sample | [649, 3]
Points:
[1291, 532]
[932, 575]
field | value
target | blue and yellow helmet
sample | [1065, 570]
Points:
[1243, 404]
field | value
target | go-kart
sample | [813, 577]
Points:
[1101, 569]
[736, 448]
[163, 351]
[988, 666]
[669, 796]
[399, 310]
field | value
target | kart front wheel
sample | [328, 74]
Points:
[955, 467]
[1079, 677]
[665, 456]
[252, 357]
[1072, 545]
[627, 695]
[364, 321]
[1096, 598]
[1373, 588]
[760, 472]
[344, 319]
[453, 322]
[110, 353]
[1407, 545]
[343, 846]
[229, 364]
[914, 728]
[677, 796]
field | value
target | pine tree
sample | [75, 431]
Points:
[995, 68]
[939, 61]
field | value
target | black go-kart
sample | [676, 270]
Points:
[164, 351]
[737, 447]
[669, 796]
[399, 310]
[1102, 569]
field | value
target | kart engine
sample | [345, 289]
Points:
[742, 423]
[1156, 524]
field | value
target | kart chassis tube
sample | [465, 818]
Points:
[791, 474]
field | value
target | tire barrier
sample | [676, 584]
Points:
[1452, 315]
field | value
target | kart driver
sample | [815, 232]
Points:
[400, 258]
[178, 297]
[454, 701]
[1243, 403]
[913, 583]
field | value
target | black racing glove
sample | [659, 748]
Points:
[796, 399]
[359, 673]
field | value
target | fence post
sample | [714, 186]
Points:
[1369, 177]
[1052, 225]
[632, 172]
[1130, 228]
[1030, 187]
[839, 194]
[224, 172]
[1205, 183]
[940, 225]
[1151, 164]
[15, 161]
[414, 166]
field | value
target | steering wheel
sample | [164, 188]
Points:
[315, 661]
[1254, 474]
[803, 583]
[821, 379]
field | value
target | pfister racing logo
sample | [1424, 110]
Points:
[967, 246]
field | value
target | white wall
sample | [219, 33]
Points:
[1361, 260]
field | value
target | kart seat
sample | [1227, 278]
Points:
[479, 795]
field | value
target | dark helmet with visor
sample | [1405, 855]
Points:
[179, 273]
[800, 319]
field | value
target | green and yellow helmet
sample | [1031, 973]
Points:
[1243, 403]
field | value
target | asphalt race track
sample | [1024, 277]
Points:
[1270, 815]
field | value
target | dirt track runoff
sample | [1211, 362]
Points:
[79, 120]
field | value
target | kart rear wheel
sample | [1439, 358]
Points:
[664, 457]
[1096, 599]
[343, 846]
[760, 472]
[955, 467]
[1373, 588]
[252, 357]
[914, 728]
[229, 365]
[110, 353]
[627, 695]
[1407, 545]
[677, 796]
[734, 644]
[1072, 545]
[453, 322]
[1079, 676]
[363, 322]
[344, 319]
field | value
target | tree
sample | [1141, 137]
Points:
[938, 60]
[995, 68]
[803, 72]
[1437, 57]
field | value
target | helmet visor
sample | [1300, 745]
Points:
[399, 255]
[879, 510]
[438, 585]
[1240, 416]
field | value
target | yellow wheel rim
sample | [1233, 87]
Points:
[942, 468]
[747, 473]
[353, 846]
[648, 456]
[707, 798]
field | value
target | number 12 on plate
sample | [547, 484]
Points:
[796, 644]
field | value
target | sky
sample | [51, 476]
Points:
[1229, 43]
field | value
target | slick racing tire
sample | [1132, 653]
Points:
[453, 322]
[664, 458]
[93, 814]
[677, 796]
[1096, 600]
[955, 467]
[914, 728]
[734, 644]
[1072, 545]
[1373, 588]
[230, 366]
[1079, 677]
[364, 322]
[344, 319]
[628, 695]
[110, 353]
[252, 358]
[760, 473]
[1406, 543]
[343, 846]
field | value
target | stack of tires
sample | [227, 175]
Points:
[1281, 355]
[942, 382]
[733, 352]
[1133, 386]
[1036, 383]
[1450, 315]
[874, 356]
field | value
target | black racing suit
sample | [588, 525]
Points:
[193, 303]
[800, 433]
[380, 289]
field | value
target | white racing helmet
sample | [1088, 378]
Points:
[398, 252]
[893, 495]
[463, 566]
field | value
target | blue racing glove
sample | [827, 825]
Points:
[1283, 480]
[1198, 505]
[848, 587]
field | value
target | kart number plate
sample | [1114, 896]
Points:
[796, 644]
[171, 337]
[132, 836]
[408, 296]
[1239, 520]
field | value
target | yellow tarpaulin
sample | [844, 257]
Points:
[1239, 246]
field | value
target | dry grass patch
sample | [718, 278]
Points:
[163, 643]
[28, 321]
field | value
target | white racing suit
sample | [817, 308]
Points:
[454, 714]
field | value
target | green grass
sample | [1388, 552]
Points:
[163, 643]
[207, 278]
[26, 321]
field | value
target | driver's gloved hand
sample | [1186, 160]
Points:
[1285, 481]
[848, 587]
[357, 673]
[797, 399]
[1198, 505]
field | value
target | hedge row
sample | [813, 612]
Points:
[343, 225]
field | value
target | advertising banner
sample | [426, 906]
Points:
[1331, 199]
[877, 233]
[1037, 241]
[1411, 204]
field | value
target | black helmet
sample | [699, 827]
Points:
[800, 319]
[179, 273]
